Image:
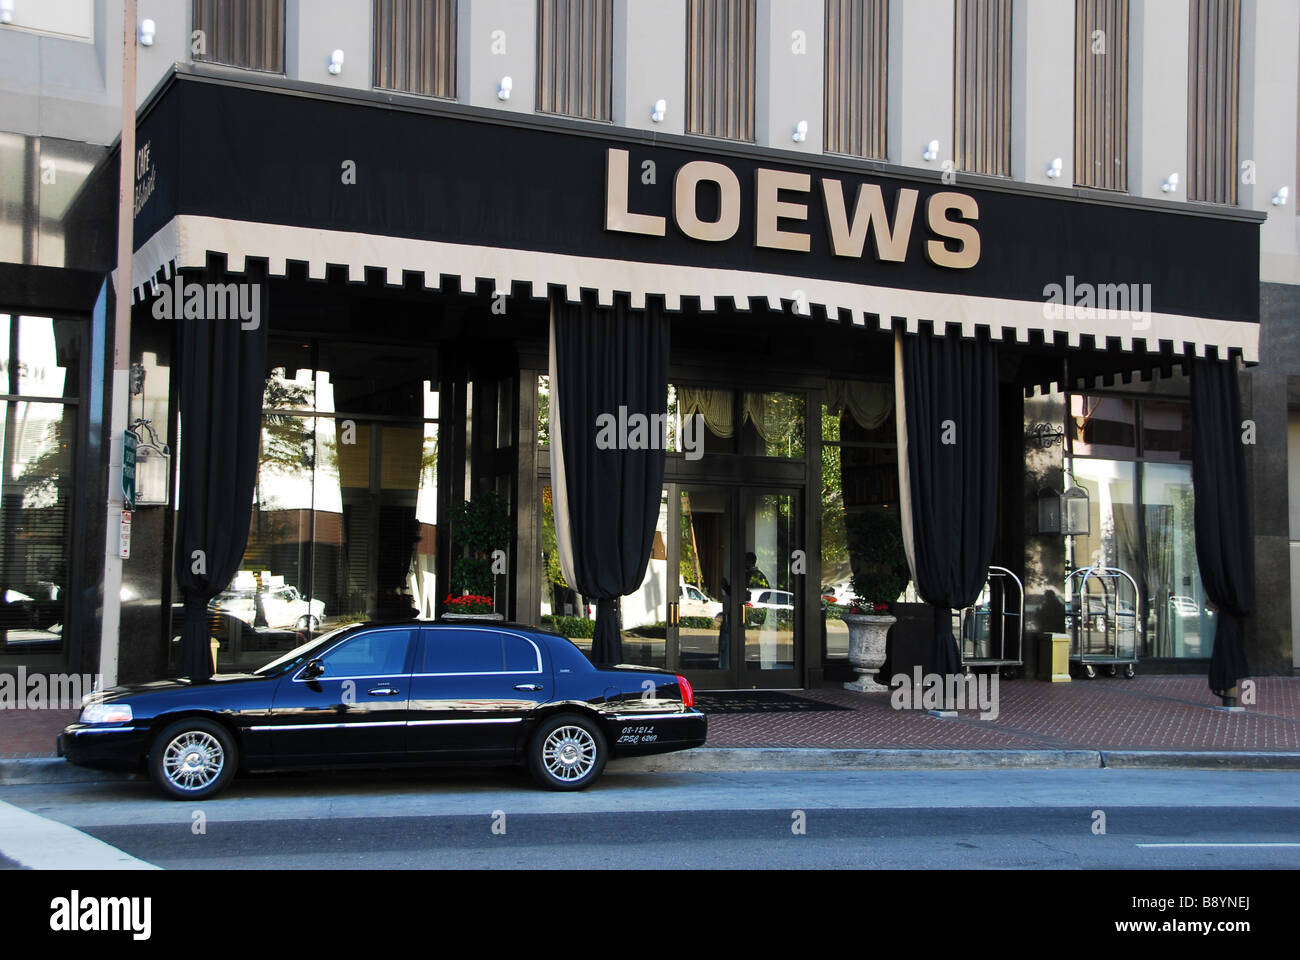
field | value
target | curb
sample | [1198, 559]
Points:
[1200, 760]
[34, 770]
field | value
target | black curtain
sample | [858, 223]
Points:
[1224, 544]
[222, 372]
[607, 358]
[950, 395]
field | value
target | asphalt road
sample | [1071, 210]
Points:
[477, 818]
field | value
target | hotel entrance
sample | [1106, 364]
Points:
[733, 621]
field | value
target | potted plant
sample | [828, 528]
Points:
[479, 528]
[875, 542]
[470, 606]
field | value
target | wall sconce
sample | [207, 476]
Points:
[1068, 514]
[6, 11]
[658, 110]
[1171, 184]
[503, 91]
[1279, 198]
[152, 469]
[147, 31]
[1076, 513]
[931, 152]
[800, 132]
[1044, 435]
[336, 63]
[1055, 167]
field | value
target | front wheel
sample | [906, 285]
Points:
[568, 752]
[193, 759]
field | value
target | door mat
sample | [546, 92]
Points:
[761, 701]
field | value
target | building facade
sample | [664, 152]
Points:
[403, 192]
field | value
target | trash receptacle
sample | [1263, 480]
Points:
[1054, 657]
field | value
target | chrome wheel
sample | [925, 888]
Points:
[569, 753]
[193, 760]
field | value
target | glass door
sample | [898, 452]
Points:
[734, 619]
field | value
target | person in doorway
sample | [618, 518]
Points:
[754, 577]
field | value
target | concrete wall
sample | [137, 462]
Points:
[1157, 78]
[1042, 90]
[919, 84]
[649, 63]
[496, 39]
[790, 49]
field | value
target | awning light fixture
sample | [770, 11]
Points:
[1171, 184]
[800, 132]
[148, 29]
[1279, 198]
[1055, 167]
[503, 91]
[658, 111]
[6, 11]
[336, 63]
[931, 152]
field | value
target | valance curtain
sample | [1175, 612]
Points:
[606, 360]
[869, 403]
[713, 405]
[1224, 541]
[947, 395]
[222, 373]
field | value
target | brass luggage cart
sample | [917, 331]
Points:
[1103, 618]
[992, 629]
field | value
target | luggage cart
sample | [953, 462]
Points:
[992, 630]
[1103, 619]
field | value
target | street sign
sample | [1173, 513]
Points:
[129, 441]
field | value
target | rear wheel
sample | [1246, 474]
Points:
[193, 759]
[568, 752]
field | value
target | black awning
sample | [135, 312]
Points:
[286, 174]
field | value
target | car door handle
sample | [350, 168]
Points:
[528, 686]
[384, 692]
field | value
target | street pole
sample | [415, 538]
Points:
[112, 617]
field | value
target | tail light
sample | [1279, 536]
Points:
[688, 692]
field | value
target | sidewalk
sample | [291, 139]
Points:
[1164, 713]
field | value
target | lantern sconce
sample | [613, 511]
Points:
[152, 468]
[1068, 514]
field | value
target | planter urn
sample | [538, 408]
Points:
[867, 634]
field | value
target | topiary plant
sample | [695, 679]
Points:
[877, 556]
[478, 527]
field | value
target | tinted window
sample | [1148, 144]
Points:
[521, 656]
[453, 650]
[375, 653]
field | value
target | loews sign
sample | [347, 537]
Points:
[781, 199]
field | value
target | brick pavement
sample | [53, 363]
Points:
[1147, 712]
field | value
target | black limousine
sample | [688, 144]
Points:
[384, 694]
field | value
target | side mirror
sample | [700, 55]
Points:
[313, 670]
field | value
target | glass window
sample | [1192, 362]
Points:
[1179, 622]
[773, 425]
[375, 653]
[458, 650]
[1166, 430]
[574, 57]
[39, 356]
[521, 656]
[415, 46]
[701, 420]
[241, 33]
[36, 489]
[1103, 426]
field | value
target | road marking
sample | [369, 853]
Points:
[1220, 844]
[39, 843]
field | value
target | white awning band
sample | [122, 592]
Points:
[186, 241]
